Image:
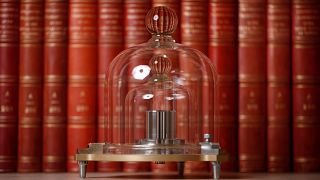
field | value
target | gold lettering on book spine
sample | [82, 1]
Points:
[10, 18]
[251, 23]
[276, 158]
[6, 108]
[29, 159]
[31, 22]
[222, 32]
[279, 23]
[51, 119]
[81, 126]
[54, 159]
[55, 22]
[51, 78]
[54, 126]
[7, 159]
[306, 159]
[307, 24]
[250, 157]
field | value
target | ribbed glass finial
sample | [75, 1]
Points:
[161, 20]
[160, 64]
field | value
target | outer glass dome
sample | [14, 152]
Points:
[159, 94]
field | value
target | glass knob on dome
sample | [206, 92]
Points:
[161, 20]
[160, 64]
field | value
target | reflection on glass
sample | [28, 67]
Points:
[140, 72]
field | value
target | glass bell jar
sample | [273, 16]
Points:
[159, 103]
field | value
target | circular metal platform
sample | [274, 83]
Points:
[151, 157]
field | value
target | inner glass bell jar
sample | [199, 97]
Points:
[159, 103]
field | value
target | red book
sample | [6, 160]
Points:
[194, 33]
[166, 167]
[194, 24]
[55, 86]
[30, 86]
[252, 87]
[82, 83]
[135, 33]
[306, 85]
[9, 73]
[175, 5]
[110, 39]
[223, 53]
[278, 89]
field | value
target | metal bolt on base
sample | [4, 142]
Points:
[83, 168]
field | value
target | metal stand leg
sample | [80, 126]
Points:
[83, 168]
[181, 168]
[216, 170]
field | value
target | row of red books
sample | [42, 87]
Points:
[266, 53]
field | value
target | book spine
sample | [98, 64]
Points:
[135, 33]
[174, 5]
[252, 85]
[194, 33]
[166, 167]
[110, 43]
[306, 85]
[30, 86]
[55, 86]
[194, 24]
[223, 53]
[82, 81]
[9, 72]
[278, 86]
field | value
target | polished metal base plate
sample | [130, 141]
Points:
[205, 151]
